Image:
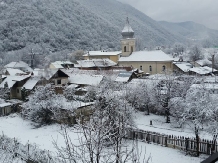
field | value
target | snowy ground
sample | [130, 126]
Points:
[14, 126]
[159, 125]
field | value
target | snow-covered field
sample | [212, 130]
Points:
[15, 126]
[142, 121]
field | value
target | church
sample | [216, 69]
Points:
[150, 62]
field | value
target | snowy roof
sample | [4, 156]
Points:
[100, 53]
[46, 73]
[96, 63]
[124, 76]
[19, 64]
[72, 86]
[203, 62]
[127, 28]
[14, 72]
[30, 84]
[5, 104]
[202, 70]
[58, 64]
[138, 56]
[63, 62]
[85, 79]
[184, 66]
[11, 80]
[149, 82]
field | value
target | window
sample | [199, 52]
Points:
[164, 68]
[131, 48]
[59, 81]
[140, 67]
[150, 68]
[124, 48]
[18, 91]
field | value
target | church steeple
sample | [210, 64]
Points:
[127, 31]
[128, 40]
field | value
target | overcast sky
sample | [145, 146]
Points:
[200, 11]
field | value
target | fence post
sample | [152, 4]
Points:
[166, 141]
[186, 144]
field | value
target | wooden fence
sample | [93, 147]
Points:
[177, 142]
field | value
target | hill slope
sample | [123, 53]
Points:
[193, 31]
[55, 25]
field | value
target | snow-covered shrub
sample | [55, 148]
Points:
[44, 105]
[69, 93]
[11, 150]
[91, 94]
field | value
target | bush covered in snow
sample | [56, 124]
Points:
[44, 106]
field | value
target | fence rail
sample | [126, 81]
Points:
[177, 142]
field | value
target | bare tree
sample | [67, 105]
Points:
[77, 55]
[195, 53]
[102, 138]
[178, 49]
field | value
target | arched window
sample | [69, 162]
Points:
[150, 68]
[124, 48]
[131, 48]
[164, 68]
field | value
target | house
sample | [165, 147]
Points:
[151, 62]
[54, 76]
[114, 56]
[95, 64]
[61, 65]
[19, 65]
[15, 84]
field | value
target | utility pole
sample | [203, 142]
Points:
[213, 61]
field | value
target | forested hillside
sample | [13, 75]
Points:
[56, 25]
[194, 31]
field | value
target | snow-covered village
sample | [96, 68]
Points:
[101, 82]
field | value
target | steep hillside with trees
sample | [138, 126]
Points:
[54, 25]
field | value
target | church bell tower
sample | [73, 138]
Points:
[128, 40]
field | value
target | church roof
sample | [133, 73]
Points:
[96, 63]
[143, 56]
[127, 31]
[101, 53]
